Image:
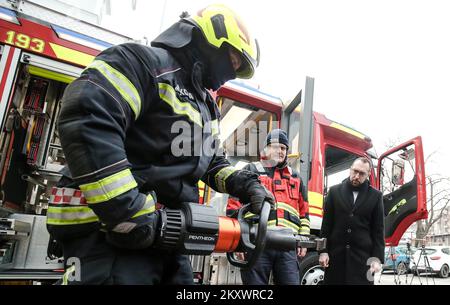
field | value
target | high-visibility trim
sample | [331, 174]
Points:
[109, 187]
[70, 215]
[167, 94]
[315, 211]
[315, 200]
[304, 231]
[122, 84]
[215, 127]
[286, 223]
[128, 226]
[304, 226]
[259, 167]
[271, 223]
[287, 207]
[249, 214]
[148, 208]
[201, 192]
[221, 178]
[305, 222]
[65, 279]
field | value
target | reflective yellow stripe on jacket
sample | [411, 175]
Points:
[221, 177]
[109, 187]
[286, 223]
[304, 226]
[215, 127]
[122, 84]
[70, 215]
[287, 207]
[75, 215]
[148, 208]
[167, 94]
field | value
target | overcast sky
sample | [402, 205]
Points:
[381, 67]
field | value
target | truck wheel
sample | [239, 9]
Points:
[311, 273]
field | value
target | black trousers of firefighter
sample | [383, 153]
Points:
[99, 263]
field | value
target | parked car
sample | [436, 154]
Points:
[398, 259]
[438, 258]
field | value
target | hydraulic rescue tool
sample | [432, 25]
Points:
[197, 229]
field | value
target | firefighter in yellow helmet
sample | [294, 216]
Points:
[120, 126]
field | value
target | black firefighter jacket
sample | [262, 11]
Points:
[355, 233]
[119, 126]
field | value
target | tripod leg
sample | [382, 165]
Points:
[428, 266]
[417, 267]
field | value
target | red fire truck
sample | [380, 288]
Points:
[322, 152]
[42, 50]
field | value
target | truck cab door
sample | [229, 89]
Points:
[297, 121]
[401, 179]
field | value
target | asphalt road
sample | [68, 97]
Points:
[388, 278]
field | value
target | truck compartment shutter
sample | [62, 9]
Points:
[50, 69]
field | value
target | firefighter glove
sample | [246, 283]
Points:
[257, 194]
[139, 233]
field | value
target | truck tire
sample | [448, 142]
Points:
[311, 273]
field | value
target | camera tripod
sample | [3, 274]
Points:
[426, 264]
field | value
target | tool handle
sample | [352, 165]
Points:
[253, 250]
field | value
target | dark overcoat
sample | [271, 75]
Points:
[354, 232]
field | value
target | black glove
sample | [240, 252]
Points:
[140, 237]
[257, 194]
[135, 233]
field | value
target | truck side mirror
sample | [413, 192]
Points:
[398, 172]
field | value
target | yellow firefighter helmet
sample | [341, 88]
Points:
[219, 24]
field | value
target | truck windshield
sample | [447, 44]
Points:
[243, 130]
[337, 165]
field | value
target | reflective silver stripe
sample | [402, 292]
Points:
[69, 215]
[124, 227]
[167, 94]
[109, 187]
[221, 177]
[259, 167]
[122, 84]
[125, 161]
[168, 72]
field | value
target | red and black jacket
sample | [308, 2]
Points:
[291, 197]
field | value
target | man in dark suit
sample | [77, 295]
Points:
[353, 223]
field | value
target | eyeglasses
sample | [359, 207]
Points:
[357, 172]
